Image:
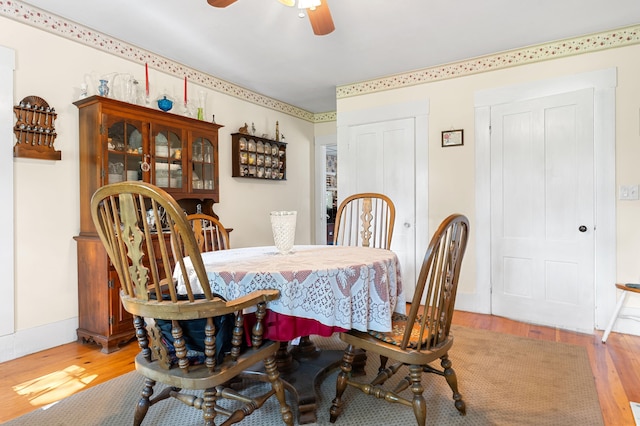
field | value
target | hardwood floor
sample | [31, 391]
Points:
[615, 365]
[45, 377]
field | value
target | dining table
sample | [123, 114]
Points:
[323, 289]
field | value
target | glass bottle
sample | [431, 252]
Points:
[202, 97]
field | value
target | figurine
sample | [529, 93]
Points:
[83, 91]
[244, 129]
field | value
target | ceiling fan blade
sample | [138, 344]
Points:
[321, 20]
[220, 3]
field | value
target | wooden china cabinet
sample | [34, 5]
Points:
[121, 141]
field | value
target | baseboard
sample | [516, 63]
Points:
[25, 342]
[470, 302]
[627, 326]
[635, 409]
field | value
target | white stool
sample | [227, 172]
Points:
[625, 290]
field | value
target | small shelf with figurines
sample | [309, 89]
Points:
[258, 158]
[35, 129]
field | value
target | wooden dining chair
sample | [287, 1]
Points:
[210, 234]
[190, 339]
[416, 339]
[365, 220]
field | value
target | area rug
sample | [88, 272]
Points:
[504, 380]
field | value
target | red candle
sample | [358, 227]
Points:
[185, 89]
[146, 78]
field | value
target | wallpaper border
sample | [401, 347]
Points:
[538, 53]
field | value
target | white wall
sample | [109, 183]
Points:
[7, 64]
[452, 171]
[46, 192]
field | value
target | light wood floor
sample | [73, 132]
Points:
[45, 377]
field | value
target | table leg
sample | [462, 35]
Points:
[284, 359]
[304, 367]
[302, 370]
[310, 367]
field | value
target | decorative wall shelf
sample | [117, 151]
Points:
[35, 129]
[258, 158]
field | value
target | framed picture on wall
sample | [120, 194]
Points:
[453, 138]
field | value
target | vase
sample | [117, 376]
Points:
[103, 88]
[283, 225]
[165, 104]
[202, 96]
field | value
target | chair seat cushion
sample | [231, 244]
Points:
[399, 323]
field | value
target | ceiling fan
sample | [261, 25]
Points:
[317, 11]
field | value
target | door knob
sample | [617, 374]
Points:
[582, 228]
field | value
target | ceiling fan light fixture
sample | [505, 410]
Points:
[308, 4]
[317, 11]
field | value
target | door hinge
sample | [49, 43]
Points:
[102, 129]
[111, 321]
[110, 284]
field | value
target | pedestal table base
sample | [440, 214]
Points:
[304, 367]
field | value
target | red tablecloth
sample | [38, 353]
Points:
[284, 327]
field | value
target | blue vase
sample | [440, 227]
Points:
[165, 104]
[103, 89]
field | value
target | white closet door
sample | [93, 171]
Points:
[379, 157]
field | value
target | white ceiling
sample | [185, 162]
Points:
[264, 46]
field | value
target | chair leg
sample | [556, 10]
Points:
[144, 403]
[278, 387]
[452, 380]
[208, 406]
[341, 383]
[383, 362]
[614, 317]
[418, 403]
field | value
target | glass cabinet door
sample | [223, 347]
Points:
[167, 151]
[125, 151]
[204, 167]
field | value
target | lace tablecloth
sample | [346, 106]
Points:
[346, 287]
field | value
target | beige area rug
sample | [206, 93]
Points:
[504, 380]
